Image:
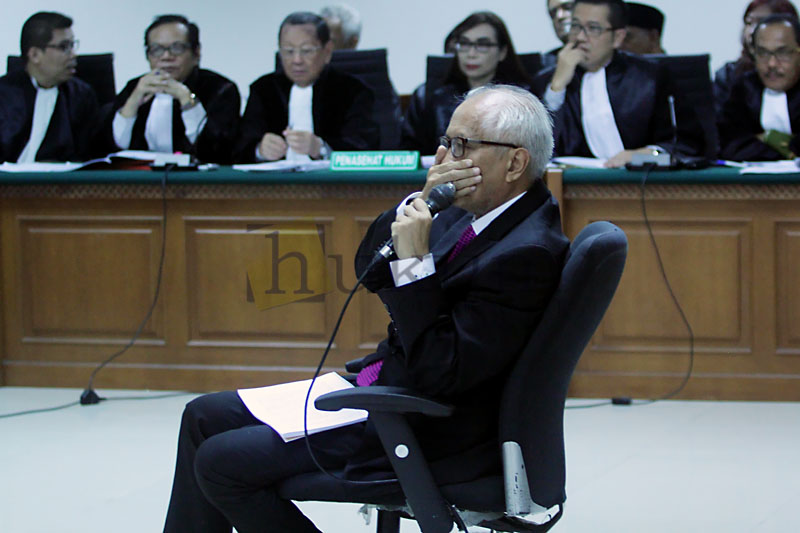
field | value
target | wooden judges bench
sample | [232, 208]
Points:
[80, 262]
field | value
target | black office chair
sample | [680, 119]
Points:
[370, 66]
[437, 66]
[530, 422]
[95, 69]
[690, 80]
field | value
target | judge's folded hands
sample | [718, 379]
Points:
[411, 228]
[153, 83]
[273, 146]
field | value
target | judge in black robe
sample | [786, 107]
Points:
[219, 97]
[739, 122]
[72, 124]
[341, 109]
[637, 91]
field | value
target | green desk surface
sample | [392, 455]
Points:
[214, 176]
[717, 175]
[712, 175]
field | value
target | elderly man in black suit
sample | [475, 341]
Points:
[46, 114]
[761, 117]
[464, 292]
[309, 109]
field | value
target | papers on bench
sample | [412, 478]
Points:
[772, 167]
[300, 166]
[580, 162]
[281, 406]
[127, 159]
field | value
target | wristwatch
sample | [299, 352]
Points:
[191, 104]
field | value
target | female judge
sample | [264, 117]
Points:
[484, 53]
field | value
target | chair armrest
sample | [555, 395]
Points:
[354, 366]
[382, 399]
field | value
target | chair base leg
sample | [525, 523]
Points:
[388, 522]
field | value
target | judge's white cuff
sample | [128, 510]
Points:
[405, 271]
[554, 100]
[123, 130]
[194, 120]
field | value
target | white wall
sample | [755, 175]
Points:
[239, 37]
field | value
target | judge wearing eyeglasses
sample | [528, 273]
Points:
[308, 109]
[484, 53]
[177, 106]
[46, 114]
[761, 118]
[606, 104]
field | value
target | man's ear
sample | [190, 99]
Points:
[328, 49]
[619, 37]
[517, 164]
[34, 54]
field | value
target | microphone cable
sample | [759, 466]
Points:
[677, 390]
[439, 198]
[89, 396]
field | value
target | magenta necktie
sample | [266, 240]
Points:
[369, 373]
[464, 240]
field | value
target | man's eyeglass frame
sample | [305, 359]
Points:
[458, 145]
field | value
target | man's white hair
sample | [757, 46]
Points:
[521, 120]
[349, 17]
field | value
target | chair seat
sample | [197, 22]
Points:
[481, 495]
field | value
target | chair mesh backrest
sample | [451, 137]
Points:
[690, 84]
[532, 411]
[95, 69]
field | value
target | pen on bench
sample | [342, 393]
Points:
[726, 163]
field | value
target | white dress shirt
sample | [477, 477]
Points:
[158, 128]
[775, 112]
[599, 126]
[300, 116]
[43, 109]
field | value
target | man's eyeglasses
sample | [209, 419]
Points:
[65, 46]
[175, 49]
[458, 145]
[783, 55]
[304, 52]
[592, 30]
[482, 47]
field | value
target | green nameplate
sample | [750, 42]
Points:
[389, 160]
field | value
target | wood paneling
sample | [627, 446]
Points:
[79, 272]
[88, 279]
[731, 264]
[787, 289]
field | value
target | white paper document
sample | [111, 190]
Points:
[284, 165]
[771, 167]
[580, 162]
[281, 406]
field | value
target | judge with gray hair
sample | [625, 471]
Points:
[344, 22]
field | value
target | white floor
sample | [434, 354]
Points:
[671, 466]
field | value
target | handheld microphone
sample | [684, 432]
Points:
[441, 197]
[673, 120]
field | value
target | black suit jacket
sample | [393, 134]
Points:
[454, 335]
[637, 90]
[220, 99]
[428, 116]
[341, 108]
[72, 126]
[740, 121]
